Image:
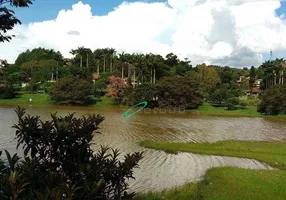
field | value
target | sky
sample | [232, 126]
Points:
[236, 33]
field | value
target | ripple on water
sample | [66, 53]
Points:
[159, 170]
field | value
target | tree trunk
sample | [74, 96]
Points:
[154, 76]
[57, 74]
[87, 60]
[97, 69]
[104, 64]
[134, 79]
[122, 72]
[110, 64]
[128, 70]
[52, 73]
[151, 76]
[81, 61]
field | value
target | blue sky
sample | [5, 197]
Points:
[48, 9]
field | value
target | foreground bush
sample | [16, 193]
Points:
[59, 163]
[274, 101]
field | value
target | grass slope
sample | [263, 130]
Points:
[273, 153]
[228, 183]
[24, 99]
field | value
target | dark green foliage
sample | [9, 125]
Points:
[252, 77]
[232, 103]
[143, 92]
[33, 87]
[7, 18]
[59, 162]
[179, 92]
[224, 93]
[70, 90]
[274, 101]
[226, 75]
[101, 83]
[181, 69]
[270, 72]
[7, 92]
[39, 54]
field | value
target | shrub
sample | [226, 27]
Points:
[242, 104]
[59, 162]
[232, 103]
[7, 92]
[274, 101]
[70, 90]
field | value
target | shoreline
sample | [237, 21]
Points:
[228, 182]
[204, 110]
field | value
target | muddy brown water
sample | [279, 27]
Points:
[159, 170]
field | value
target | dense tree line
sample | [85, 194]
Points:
[40, 68]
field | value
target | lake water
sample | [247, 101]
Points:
[159, 170]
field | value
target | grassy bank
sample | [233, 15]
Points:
[45, 99]
[24, 99]
[250, 111]
[228, 183]
[207, 109]
[271, 153]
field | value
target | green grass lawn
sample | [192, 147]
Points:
[273, 153]
[45, 99]
[250, 111]
[228, 183]
[23, 99]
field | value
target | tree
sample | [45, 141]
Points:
[274, 101]
[232, 103]
[252, 77]
[59, 162]
[226, 75]
[272, 72]
[101, 83]
[29, 69]
[171, 59]
[179, 92]
[8, 19]
[82, 53]
[224, 93]
[143, 92]
[208, 77]
[117, 88]
[70, 90]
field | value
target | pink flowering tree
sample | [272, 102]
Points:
[116, 88]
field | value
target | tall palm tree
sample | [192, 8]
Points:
[81, 52]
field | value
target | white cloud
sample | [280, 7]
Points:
[224, 32]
